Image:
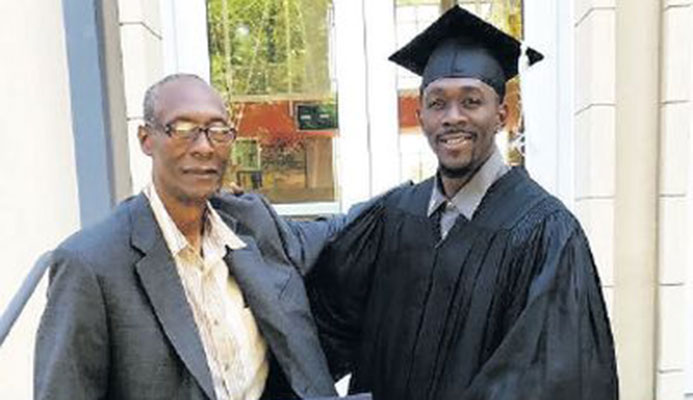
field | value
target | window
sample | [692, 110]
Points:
[272, 62]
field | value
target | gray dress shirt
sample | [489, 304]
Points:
[468, 198]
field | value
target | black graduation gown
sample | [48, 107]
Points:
[507, 306]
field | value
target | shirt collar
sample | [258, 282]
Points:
[215, 228]
[468, 198]
[219, 231]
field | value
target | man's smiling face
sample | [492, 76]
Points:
[460, 117]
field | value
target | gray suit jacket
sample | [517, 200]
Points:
[117, 324]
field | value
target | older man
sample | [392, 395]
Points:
[169, 298]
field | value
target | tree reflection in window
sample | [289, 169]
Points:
[269, 47]
[267, 58]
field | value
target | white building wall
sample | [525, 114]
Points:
[595, 130]
[594, 24]
[674, 202]
[39, 203]
[141, 42]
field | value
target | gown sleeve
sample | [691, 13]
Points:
[308, 238]
[559, 345]
[339, 285]
[290, 243]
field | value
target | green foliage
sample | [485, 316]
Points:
[269, 47]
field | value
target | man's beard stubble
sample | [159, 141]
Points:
[455, 173]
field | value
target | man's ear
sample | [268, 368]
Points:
[420, 106]
[145, 138]
[502, 114]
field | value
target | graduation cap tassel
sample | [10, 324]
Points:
[523, 64]
[523, 60]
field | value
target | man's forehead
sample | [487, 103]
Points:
[188, 94]
[187, 88]
[456, 83]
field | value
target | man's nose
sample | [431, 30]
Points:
[201, 144]
[454, 115]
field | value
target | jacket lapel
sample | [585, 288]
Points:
[262, 287]
[285, 323]
[259, 283]
[157, 272]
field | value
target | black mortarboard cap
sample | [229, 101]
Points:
[460, 44]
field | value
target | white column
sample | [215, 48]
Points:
[565, 128]
[141, 40]
[381, 41]
[184, 26]
[540, 94]
[673, 233]
[635, 307]
[688, 265]
[594, 131]
[354, 167]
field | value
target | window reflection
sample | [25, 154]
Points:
[272, 62]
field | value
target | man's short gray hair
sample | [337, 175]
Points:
[151, 96]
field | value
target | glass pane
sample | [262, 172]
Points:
[272, 62]
[412, 17]
[506, 15]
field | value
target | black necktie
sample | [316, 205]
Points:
[435, 221]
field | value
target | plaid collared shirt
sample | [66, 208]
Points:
[236, 351]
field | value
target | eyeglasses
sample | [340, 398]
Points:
[185, 131]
